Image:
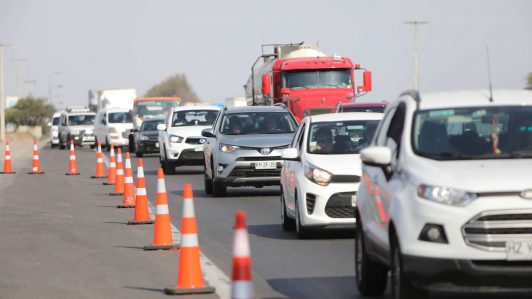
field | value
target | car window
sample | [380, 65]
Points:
[296, 135]
[383, 129]
[81, 119]
[258, 123]
[301, 138]
[150, 125]
[119, 118]
[395, 132]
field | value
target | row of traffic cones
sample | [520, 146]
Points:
[35, 167]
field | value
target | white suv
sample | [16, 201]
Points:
[321, 173]
[445, 200]
[180, 140]
[54, 130]
[112, 126]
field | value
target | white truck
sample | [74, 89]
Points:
[235, 102]
[111, 98]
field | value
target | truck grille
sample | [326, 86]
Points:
[339, 205]
[491, 230]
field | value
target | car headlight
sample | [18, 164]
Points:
[144, 137]
[317, 175]
[176, 139]
[226, 148]
[446, 195]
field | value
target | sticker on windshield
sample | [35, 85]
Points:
[437, 113]
[355, 127]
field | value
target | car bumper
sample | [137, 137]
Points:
[84, 140]
[118, 140]
[188, 155]
[148, 146]
[467, 275]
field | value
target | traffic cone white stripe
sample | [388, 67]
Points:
[35, 157]
[141, 191]
[35, 147]
[120, 171]
[162, 210]
[161, 188]
[7, 147]
[128, 180]
[99, 160]
[112, 164]
[34, 168]
[189, 240]
[72, 157]
[8, 157]
[242, 289]
[140, 172]
[241, 245]
[188, 208]
[128, 163]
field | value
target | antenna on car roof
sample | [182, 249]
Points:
[489, 73]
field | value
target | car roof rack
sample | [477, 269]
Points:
[414, 93]
[77, 109]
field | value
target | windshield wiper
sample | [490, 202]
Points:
[447, 155]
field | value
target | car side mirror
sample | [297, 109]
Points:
[161, 127]
[208, 133]
[290, 154]
[380, 156]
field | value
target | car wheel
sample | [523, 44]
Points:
[286, 222]
[168, 168]
[371, 276]
[61, 144]
[301, 231]
[401, 286]
[131, 145]
[52, 145]
[93, 146]
[207, 182]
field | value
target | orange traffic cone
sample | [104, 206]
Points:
[162, 236]
[36, 165]
[242, 287]
[189, 275]
[100, 168]
[129, 187]
[119, 184]
[72, 165]
[142, 214]
[111, 177]
[8, 169]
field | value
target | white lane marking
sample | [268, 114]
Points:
[214, 276]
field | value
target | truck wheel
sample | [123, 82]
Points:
[301, 231]
[401, 286]
[371, 277]
[286, 222]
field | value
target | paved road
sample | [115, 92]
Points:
[62, 237]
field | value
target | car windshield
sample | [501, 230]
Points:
[120, 118]
[151, 125]
[55, 121]
[194, 118]
[154, 108]
[474, 133]
[258, 123]
[378, 109]
[335, 78]
[81, 119]
[342, 137]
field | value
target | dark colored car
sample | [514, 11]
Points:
[360, 107]
[147, 141]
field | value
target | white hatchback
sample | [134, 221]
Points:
[322, 170]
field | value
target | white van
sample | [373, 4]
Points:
[54, 129]
[112, 126]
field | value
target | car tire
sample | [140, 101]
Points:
[401, 287]
[301, 231]
[287, 223]
[131, 145]
[218, 190]
[93, 146]
[61, 144]
[371, 277]
[52, 145]
[207, 182]
[168, 168]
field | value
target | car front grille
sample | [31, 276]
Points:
[252, 172]
[491, 230]
[311, 202]
[339, 205]
[192, 155]
[195, 140]
[345, 179]
[259, 158]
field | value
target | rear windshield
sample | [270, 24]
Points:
[81, 119]
[345, 137]
[150, 125]
[120, 118]
[194, 118]
[258, 123]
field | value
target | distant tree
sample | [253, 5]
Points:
[175, 85]
[30, 111]
[529, 81]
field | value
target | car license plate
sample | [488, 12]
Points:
[353, 200]
[266, 165]
[198, 148]
[519, 250]
[156, 144]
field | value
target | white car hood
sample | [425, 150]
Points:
[474, 176]
[337, 164]
[187, 131]
[121, 126]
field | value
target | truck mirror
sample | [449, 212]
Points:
[367, 84]
[266, 83]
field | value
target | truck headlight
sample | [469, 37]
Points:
[144, 137]
[226, 148]
[317, 175]
[446, 195]
[176, 139]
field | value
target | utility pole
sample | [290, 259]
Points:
[18, 61]
[50, 86]
[2, 95]
[415, 25]
[30, 83]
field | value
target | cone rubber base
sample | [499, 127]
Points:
[98, 177]
[162, 247]
[135, 222]
[108, 184]
[125, 206]
[1, 172]
[35, 172]
[116, 193]
[77, 173]
[175, 291]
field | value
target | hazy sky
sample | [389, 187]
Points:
[103, 44]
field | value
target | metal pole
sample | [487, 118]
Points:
[18, 61]
[415, 25]
[2, 96]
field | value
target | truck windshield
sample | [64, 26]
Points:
[194, 118]
[378, 109]
[473, 133]
[154, 108]
[258, 123]
[326, 78]
[344, 137]
[81, 119]
[120, 118]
